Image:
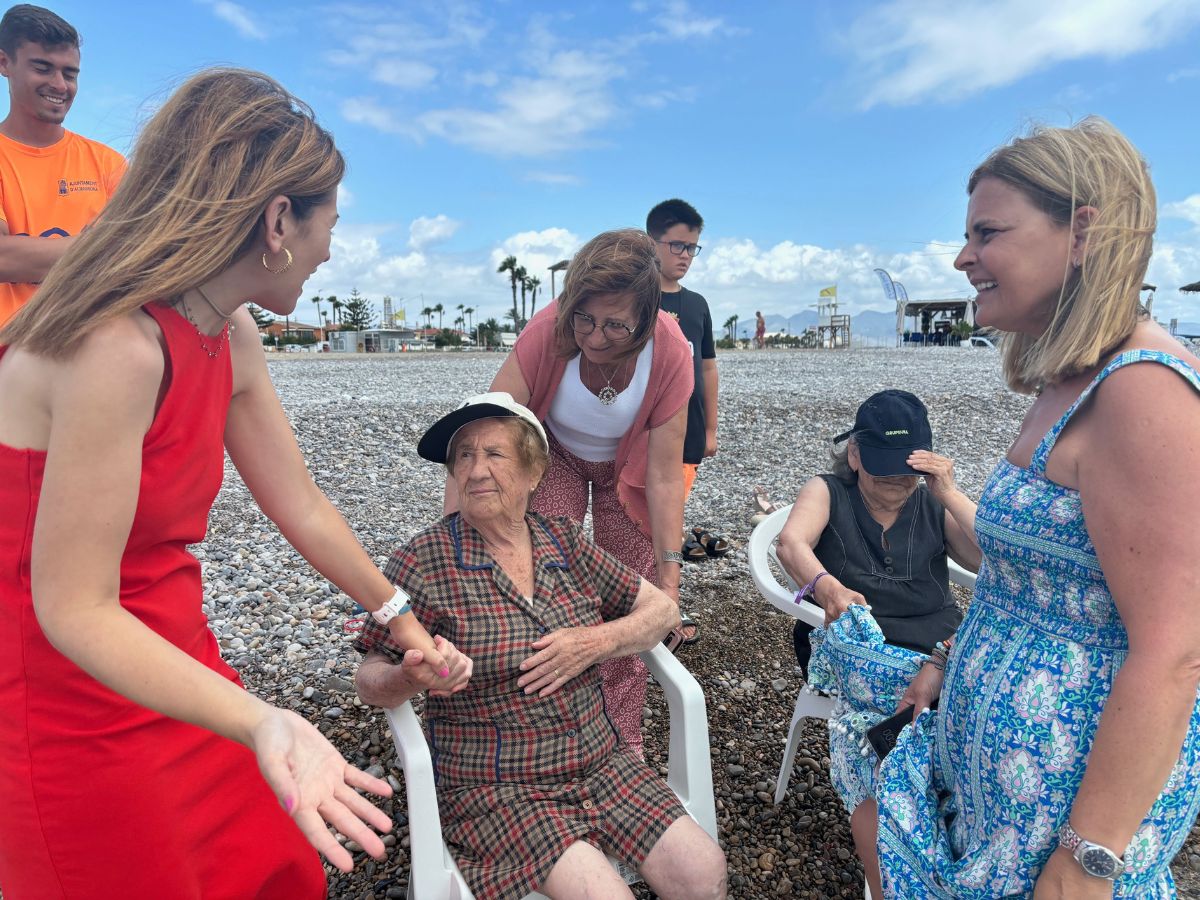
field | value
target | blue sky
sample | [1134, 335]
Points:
[818, 139]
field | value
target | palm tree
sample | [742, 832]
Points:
[318, 300]
[337, 308]
[533, 283]
[427, 312]
[510, 266]
[521, 276]
[439, 309]
[469, 312]
[488, 330]
[730, 327]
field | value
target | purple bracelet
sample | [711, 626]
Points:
[809, 589]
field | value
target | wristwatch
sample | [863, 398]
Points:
[1096, 859]
[672, 556]
[397, 606]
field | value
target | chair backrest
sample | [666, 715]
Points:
[777, 587]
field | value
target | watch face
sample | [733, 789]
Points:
[1099, 862]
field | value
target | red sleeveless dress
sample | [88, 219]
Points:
[102, 798]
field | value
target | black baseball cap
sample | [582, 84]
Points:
[888, 427]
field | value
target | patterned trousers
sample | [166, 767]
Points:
[564, 492]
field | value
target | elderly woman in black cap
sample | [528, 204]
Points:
[534, 782]
[869, 534]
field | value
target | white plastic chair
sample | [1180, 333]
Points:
[434, 875]
[779, 590]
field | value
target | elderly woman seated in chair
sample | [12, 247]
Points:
[868, 535]
[534, 783]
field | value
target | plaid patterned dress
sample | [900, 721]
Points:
[520, 777]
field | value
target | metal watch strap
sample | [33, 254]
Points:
[397, 606]
[1070, 839]
[672, 556]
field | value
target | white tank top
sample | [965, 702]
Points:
[587, 427]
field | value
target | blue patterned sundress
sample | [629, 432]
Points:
[973, 795]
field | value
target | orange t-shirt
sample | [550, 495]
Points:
[52, 192]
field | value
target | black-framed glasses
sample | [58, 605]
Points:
[582, 323]
[679, 247]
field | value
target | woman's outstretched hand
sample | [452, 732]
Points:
[316, 786]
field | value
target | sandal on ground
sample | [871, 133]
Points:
[763, 502]
[676, 638]
[693, 550]
[714, 545]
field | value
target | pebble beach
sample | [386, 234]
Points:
[358, 418]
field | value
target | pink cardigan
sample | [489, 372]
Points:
[667, 392]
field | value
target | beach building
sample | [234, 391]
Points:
[284, 330]
[377, 340]
[933, 321]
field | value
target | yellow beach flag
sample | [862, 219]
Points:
[829, 291]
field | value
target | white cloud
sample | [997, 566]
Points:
[345, 198]
[239, 17]
[737, 276]
[559, 179]
[680, 22]
[366, 111]
[403, 73]
[425, 231]
[1188, 208]
[913, 50]
[556, 109]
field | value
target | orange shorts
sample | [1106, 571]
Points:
[689, 478]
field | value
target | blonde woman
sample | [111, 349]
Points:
[132, 761]
[1064, 758]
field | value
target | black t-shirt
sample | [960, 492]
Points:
[691, 312]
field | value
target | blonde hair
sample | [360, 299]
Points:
[202, 172]
[1060, 170]
[613, 262]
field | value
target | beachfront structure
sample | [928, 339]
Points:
[284, 330]
[932, 320]
[376, 340]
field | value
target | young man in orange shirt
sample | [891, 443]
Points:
[52, 182]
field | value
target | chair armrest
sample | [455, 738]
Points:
[689, 763]
[959, 575]
[759, 552]
[430, 875]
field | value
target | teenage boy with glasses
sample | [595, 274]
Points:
[675, 227]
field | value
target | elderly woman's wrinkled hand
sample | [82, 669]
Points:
[317, 787]
[938, 471]
[835, 598]
[561, 655]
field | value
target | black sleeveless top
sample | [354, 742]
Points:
[906, 583]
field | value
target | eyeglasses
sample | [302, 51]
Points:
[582, 323]
[678, 247]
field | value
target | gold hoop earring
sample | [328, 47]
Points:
[287, 265]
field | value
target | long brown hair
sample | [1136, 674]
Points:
[1059, 170]
[202, 172]
[613, 262]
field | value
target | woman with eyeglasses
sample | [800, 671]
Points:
[610, 376]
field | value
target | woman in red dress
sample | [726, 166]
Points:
[132, 761]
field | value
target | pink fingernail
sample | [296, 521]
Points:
[446, 672]
[288, 803]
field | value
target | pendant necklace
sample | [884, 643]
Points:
[607, 395]
[214, 349]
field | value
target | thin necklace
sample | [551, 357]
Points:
[213, 306]
[607, 394]
[213, 350]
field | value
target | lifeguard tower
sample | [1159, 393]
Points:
[832, 330]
